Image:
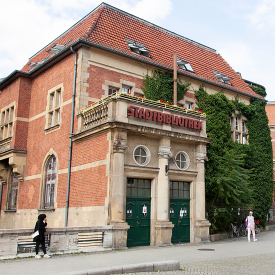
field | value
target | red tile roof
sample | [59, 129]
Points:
[108, 27]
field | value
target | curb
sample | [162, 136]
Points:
[145, 267]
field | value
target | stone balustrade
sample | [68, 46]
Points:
[60, 240]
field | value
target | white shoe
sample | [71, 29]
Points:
[255, 240]
[37, 256]
[47, 256]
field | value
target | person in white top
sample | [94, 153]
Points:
[250, 226]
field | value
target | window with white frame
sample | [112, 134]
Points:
[141, 155]
[244, 139]
[7, 120]
[50, 182]
[188, 105]
[182, 160]
[126, 90]
[54, 103]
[244, 126]
[236, 123]
[12, 190]
[237, 137]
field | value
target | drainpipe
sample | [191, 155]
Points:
[175, 80]
[1, 196]
[71, 143]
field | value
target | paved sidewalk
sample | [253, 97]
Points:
[233, 256]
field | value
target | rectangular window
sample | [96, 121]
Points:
[243, 126]
[188, 105]
[13, 189]
[230, 121]
[112, 90]
[236, 123]
[179, 189]
[126, 90]
[6, 125]
[244, 139]
[237, 137]
[54, 103]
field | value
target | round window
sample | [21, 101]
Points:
[182, 160]
[141, 155]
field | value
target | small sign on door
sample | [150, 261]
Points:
[144, 210]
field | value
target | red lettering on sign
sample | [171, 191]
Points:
[165, 118]
[159, 118]
[175, 120]
[181, 121]
[191, 123]
[200, 125]
[168, 119]
[136, 111]
[148, 114]
[131, 110]
[154, 115]
[141, 113]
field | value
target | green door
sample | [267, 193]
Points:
[180, 211]
[138, 207]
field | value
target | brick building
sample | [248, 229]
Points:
[134, 164]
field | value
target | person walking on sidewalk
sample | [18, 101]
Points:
[250, 226]
[41, 226]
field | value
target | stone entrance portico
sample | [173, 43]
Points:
[164, 132]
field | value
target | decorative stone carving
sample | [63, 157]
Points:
[164, 152]
[201, 156]
[119, 144]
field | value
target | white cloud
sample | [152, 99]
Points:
[29, 25]
[262, 16]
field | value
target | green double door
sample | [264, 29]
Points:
[180, 211]
[138, 208]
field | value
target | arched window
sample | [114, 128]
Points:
[50, 182]
[12, 190]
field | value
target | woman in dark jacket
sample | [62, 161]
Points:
[41, 225]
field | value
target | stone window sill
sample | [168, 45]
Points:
[52, 128]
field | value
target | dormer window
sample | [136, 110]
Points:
[222, 77]
[137, 47]
[184, 65]
[56, 48]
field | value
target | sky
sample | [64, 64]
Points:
[242, 31]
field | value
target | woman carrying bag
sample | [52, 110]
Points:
[41, 226]
[250, 226]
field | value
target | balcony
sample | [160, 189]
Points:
[114, 108]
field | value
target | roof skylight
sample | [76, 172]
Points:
[222, 77]
[137, 47]
[56, 48]
[184, 65]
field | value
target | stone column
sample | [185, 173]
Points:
[118, 196]
[163, 225]
[201, 224]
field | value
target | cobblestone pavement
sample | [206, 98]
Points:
[262, 264]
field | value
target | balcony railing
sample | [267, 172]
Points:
[136, 99]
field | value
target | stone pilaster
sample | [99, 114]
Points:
[163, 225]
[118, 189]
[201, 224]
